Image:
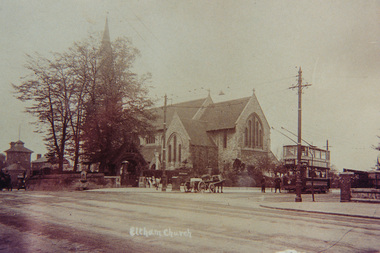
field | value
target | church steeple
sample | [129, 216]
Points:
[106, 51]
[106, 34]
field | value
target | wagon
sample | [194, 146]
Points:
[204, 183]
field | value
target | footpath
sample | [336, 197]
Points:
[350, 209]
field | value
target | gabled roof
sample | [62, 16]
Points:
[185, 110]
[224, 115]
[197, 132]
[148, 152]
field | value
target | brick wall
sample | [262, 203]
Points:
[69, 182]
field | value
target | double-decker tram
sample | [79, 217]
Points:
[315, 166]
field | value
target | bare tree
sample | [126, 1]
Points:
[87, 101]
[50, 90]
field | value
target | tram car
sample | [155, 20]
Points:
[315, 167]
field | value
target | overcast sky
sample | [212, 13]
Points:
[230, 46]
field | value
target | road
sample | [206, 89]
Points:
[145, 221]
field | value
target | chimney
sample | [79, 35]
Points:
[12, 144]
[38, 156]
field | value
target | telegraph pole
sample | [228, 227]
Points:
[299, 147]
[164, 182]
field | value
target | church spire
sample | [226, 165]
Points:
[106, 34]
[106, 50]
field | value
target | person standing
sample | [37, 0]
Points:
[277, 184]
[263, 185]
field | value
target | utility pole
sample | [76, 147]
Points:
[164, 182]
[299, 147]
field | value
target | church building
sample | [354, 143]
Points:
[203, 134]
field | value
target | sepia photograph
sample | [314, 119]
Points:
[190, 126]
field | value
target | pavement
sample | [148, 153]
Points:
[348, 209]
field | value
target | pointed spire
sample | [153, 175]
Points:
[106, 34]
[106, 50]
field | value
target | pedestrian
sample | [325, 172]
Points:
[263, 185]
[277, 184]
[158, 180]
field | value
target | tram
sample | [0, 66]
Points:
[315, 167]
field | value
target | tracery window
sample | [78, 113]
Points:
[175, 148]
[254, 132]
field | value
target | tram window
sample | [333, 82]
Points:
[323, 155]
[290, 151]
[305, 151]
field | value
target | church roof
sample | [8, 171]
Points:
[185, 110]
[148, 152]
[224, 115]
[197, 132]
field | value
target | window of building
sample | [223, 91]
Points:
[170, 153]
[179, 152]
[150, 139]
[246, 137]
[254, 132]
[225, 139]
[175, 148]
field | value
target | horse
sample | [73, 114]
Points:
[218, 182]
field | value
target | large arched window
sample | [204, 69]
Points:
[254, 132]
[175, 150]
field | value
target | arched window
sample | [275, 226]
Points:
[254, 132]
[175, 148]
[246, 137]
[179, 152]
[170, 153]
[249, 133]
[257, 133]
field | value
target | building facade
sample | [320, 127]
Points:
[19, 154]
[204, 134]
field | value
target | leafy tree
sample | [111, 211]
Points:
[116, 109]
[88, 99]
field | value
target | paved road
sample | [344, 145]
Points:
[174, 222]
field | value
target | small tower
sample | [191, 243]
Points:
[18, 154]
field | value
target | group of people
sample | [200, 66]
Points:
[152, 182]
[277, 184]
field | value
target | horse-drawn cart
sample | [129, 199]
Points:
[205, 183]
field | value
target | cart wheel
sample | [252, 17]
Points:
[201, 186]
[187, 187]
[211, 188]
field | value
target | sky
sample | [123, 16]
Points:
[231, 47]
